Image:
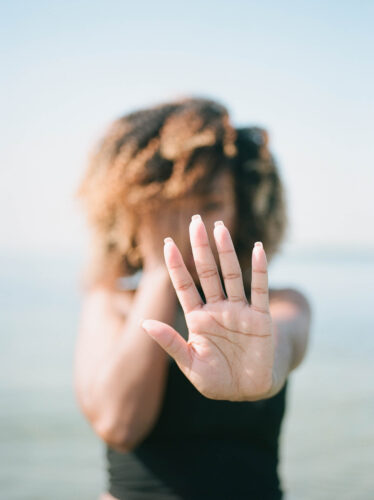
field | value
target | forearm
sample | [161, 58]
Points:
[129, 386]
[291, 322]
[283, 358]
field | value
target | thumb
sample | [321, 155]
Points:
[171, 341]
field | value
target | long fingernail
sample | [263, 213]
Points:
[218, 223]
[196, 217]
[168, 240]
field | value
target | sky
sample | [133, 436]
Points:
[303, 70]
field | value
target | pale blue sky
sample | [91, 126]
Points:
[304, 70]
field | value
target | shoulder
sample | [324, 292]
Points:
[121, 295]
[122, 300]
[111, 299]
[285, 295]
[289, 295]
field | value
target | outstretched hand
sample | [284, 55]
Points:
[229, 354]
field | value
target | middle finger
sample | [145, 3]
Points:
[205, 262]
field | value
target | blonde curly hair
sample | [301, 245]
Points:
[155, 155]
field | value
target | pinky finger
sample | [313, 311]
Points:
[259, 287]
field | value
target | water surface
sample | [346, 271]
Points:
[49, 451]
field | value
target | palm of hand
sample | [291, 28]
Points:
[230, 350]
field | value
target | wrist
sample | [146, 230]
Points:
[283, 357]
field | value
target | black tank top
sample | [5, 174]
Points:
[203, 449]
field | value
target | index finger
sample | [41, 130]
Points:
[183, 283]
[259, 286]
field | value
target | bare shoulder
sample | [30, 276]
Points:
[107, 496]
[122, 300]
[114, 299]
[289, 295]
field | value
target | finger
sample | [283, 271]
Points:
[259, 286]
[230, 267]
[183, 283]
[205, 262]
[170, 340]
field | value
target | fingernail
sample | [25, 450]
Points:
[196, 217]
[168, 240]
[258, 244]
[218, 223]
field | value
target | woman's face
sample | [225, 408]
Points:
[216, 203]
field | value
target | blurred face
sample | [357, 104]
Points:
[216, 203]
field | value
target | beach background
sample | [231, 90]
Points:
[304, 71]
[327, 441]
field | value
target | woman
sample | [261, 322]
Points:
[192, 411]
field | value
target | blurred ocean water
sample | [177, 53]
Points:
[49, 451]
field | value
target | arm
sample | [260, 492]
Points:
[291, 315]
[120, 371]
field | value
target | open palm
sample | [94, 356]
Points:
[230, 349]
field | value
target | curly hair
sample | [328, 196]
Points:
[167, 151]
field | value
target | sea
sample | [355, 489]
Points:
[48, 449]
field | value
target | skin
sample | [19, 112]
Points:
[217, 204]
[234, 351]
[231, 349]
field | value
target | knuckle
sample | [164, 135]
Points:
[175, 266]
[227, 251]
[183, 286]
[237, 298]
[232, 276]
[207, 273]
[214, 298]
[170, 344]
[258, 309]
